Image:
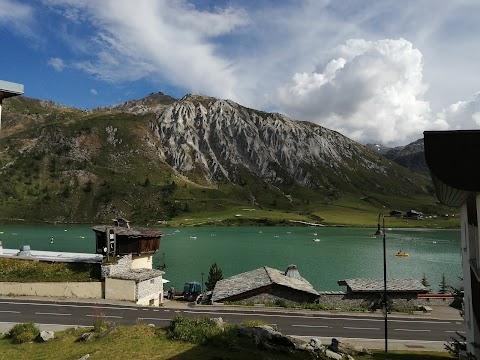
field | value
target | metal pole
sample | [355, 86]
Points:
[385, 286]
[202, 280]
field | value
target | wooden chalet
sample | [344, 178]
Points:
[120, 239]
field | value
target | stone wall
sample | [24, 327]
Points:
[121, 266]
[149, 287]
[441, 301]
[397, 300]
[280, 293]
[150, 292]
[82, 290]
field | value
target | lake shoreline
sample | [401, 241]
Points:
[323, 255]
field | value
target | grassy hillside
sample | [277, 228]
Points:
[59, 164]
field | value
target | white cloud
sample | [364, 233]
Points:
[162, 40]
[13, 11]
[463, 114]
[93, 92]
[370, 90]
[57, 63]
[287, 57]
[17, 15]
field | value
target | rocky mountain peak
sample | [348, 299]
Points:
[149, 103]
[221, 139]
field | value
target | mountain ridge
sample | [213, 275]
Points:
[157, 158]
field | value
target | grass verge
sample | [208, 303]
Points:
[146, 342]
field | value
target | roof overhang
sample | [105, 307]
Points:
[9, 89]
[451, 157]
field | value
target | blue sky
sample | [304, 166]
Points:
[376, 71]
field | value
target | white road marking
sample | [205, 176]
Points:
[312, 326]
[419, 321]
[312, 317]
[414, 330]
[11, 312]
[453, 331]
[359, 328]
[96, 306]
[156, 310]
[106, 316]
[40, 313]
[154, 319]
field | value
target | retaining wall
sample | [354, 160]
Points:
[405, 301]
[82, 290]
[446, 301]
[120, 289]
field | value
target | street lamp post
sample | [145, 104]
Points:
[202, 280]
[381, 233]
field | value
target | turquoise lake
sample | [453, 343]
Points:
[338, 253]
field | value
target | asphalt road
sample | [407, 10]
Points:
[308, 324]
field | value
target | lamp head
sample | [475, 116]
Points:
[379, 232]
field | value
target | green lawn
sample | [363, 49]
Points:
[337, 215]
[139, 342]
[144, 342]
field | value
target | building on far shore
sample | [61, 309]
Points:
[265, 285]
[452, 157]
[396, 213]
[413, 214]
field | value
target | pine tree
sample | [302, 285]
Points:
[214, 275]
[443, 285]
[425, 282]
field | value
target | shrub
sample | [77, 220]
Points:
[24, 332]
[196, 331]
[100, 325]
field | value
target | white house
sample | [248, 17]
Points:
[452, 157]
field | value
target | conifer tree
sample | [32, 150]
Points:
[425, 282]
[443, 285]
[214, 274]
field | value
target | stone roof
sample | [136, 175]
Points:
[254, 279]
[130, 231]
[375, 285]
[138, 275]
